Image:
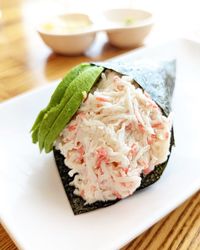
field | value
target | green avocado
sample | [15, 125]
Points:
[83, 84]
[57, 96]
[88, 76]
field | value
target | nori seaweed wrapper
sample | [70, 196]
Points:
[158, 80]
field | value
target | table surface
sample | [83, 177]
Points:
[26, 63]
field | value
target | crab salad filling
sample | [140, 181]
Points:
[118, 134]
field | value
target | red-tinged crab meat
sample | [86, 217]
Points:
[153, 136]
[141, 128]
[129, 127]
[134, 150]
[143, 163]
[147, 171]
[118, 196]
[81, 152]
[125, 170]
[166, 135]
[72, 127]
[101, 156]
[98, 105]
[82, 193]
[101, 99]
[157, 125]
[81, 114]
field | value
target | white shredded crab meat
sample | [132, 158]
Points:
[118, 133]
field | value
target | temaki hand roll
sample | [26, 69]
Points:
[110, 128]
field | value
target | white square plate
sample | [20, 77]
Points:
[33, 206]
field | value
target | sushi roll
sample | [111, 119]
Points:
[110, 128]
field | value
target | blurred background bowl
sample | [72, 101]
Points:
[68, 44]
[68, 40]
[135, 26]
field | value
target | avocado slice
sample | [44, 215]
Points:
[51, 115]
[57, 96]
[84, 84]
[78, 83]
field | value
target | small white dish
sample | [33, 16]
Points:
[68, 34]
[34, 208]
[73, 33]
[133, 26]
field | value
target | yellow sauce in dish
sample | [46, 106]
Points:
[66, 26]
[129, 21]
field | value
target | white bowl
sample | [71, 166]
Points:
[69, 43]
[131, 35]
[111, 21]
